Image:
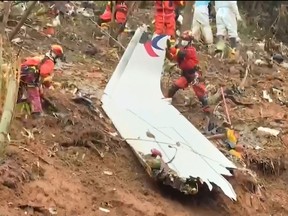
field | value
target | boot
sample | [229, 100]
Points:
[210, 49]
[233, 44]
[205, 105]
[220, 45]
[172, 91]
[36, 115]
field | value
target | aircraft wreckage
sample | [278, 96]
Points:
[170, 148]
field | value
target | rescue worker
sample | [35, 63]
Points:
[227, 15]
[165, 15]
[121, 10]
[35, 73]
[187, 60]
[201, 22]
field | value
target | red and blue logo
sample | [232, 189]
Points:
[153, 44]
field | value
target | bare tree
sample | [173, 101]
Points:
[9, 80]
[22, 21]
[187, 16]
[7, 6]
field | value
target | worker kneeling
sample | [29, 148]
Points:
[37, 72]
[187, 60]
[121, 10]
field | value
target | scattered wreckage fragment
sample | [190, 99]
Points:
[159, 170]
[170, 148]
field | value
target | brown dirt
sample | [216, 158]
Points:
[65, 173]
[61, 167]
[269, 163]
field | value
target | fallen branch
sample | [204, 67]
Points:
[216, 136]
[93, 147]
[225, 105]
[10, 101]
[32, 152]
[242, 84]
[23, 48]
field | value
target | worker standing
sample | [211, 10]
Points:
[121, 10]
[165, 22]
[227, 15]
[201, 22]
[186, 58]
[35, 73]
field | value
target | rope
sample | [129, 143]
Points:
[107, 34]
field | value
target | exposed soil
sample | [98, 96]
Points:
[73, 164]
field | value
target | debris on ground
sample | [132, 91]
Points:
[75, 147]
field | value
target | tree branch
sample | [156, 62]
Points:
[22, 21]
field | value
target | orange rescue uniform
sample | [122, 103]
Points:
[32, 70]
[120, 13]
[165, 17]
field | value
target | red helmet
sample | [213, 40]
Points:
[57, 50]
[187, 35]
[155, 153]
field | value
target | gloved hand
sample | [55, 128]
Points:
[47, 81]
[171, 53]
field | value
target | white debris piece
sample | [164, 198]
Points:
[269, 131]
[261, 45]
[180, 19]
[267, 96]
[17, 40]
[259, 62]
[104, 210]
[250, 55]
[284, 65]
[56, 21]
[144, 109]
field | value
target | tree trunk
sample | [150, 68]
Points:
[1, 71]
[254, 4]
[22, 21]
[187, 16]
[7, 6]
[9, 104]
